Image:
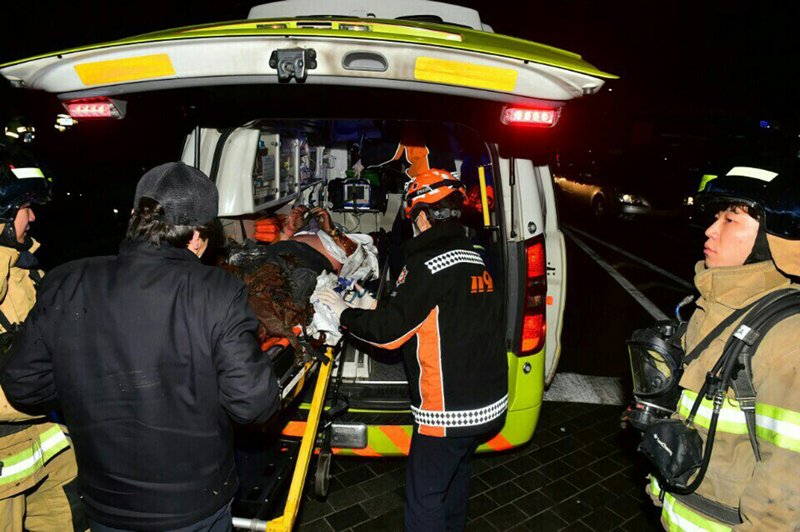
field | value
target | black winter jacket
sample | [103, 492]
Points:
[150, 355]
[447, 316]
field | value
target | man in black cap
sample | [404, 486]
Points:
[150, 354]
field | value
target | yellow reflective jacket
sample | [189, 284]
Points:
[17, 288]
[767, 493]
[23, 453]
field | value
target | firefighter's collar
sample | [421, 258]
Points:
[737, 286]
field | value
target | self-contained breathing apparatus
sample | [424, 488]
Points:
[674, 446]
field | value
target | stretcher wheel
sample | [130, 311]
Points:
[322, 476]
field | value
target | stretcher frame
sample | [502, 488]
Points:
[285, 522]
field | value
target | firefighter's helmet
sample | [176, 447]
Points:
[774, 196]
[430, 187]
[21, 182]
[19, 130]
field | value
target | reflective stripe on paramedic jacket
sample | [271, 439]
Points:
[779, 426]
[27, 461]
[679, 517]
[451, 335]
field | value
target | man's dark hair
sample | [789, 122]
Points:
[147, 225]
[451, 202]
[734, 205]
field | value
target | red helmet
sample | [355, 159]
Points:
[430, 187]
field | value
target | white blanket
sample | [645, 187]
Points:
[362, 264]
[325, 320]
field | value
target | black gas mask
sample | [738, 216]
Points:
[656, 358]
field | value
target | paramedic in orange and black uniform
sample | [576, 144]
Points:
[447, 317]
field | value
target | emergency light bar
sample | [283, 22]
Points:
[96, 108]
[526, 116]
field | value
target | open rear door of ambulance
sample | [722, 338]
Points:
[556, 264]
[532, 222]
[326, 50]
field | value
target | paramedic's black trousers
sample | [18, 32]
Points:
[437, 483]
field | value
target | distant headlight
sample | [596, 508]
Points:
[688, 201]
[632, 199]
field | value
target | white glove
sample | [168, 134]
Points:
[332, 300]
[363, 299]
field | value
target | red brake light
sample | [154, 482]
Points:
[528, 116]
[96, 108]
[533, 318]
[535, 253]
[532, 333]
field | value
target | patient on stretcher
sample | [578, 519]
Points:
[281, 276]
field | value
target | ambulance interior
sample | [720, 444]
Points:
[357, 169]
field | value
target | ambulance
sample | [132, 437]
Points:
[333, 104]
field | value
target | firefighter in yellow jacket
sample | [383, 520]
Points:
[37, 464]
[752, 249]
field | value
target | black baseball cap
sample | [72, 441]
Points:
[186, 194]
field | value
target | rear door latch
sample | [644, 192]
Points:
[293, 63]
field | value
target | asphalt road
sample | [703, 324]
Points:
[622, 275]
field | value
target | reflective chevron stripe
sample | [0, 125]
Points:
[460, 418]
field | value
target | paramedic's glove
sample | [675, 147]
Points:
[323, 218]
[332, 300]
[363, 299]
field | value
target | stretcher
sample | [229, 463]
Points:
[285, 522]
[292, 384]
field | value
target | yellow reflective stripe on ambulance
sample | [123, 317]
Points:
[125, 69]
[680, 517]
[465, 74]
[42, 449]
[779, 426]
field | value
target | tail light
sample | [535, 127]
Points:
[533, 317]
[96, 108]
[529, 116]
